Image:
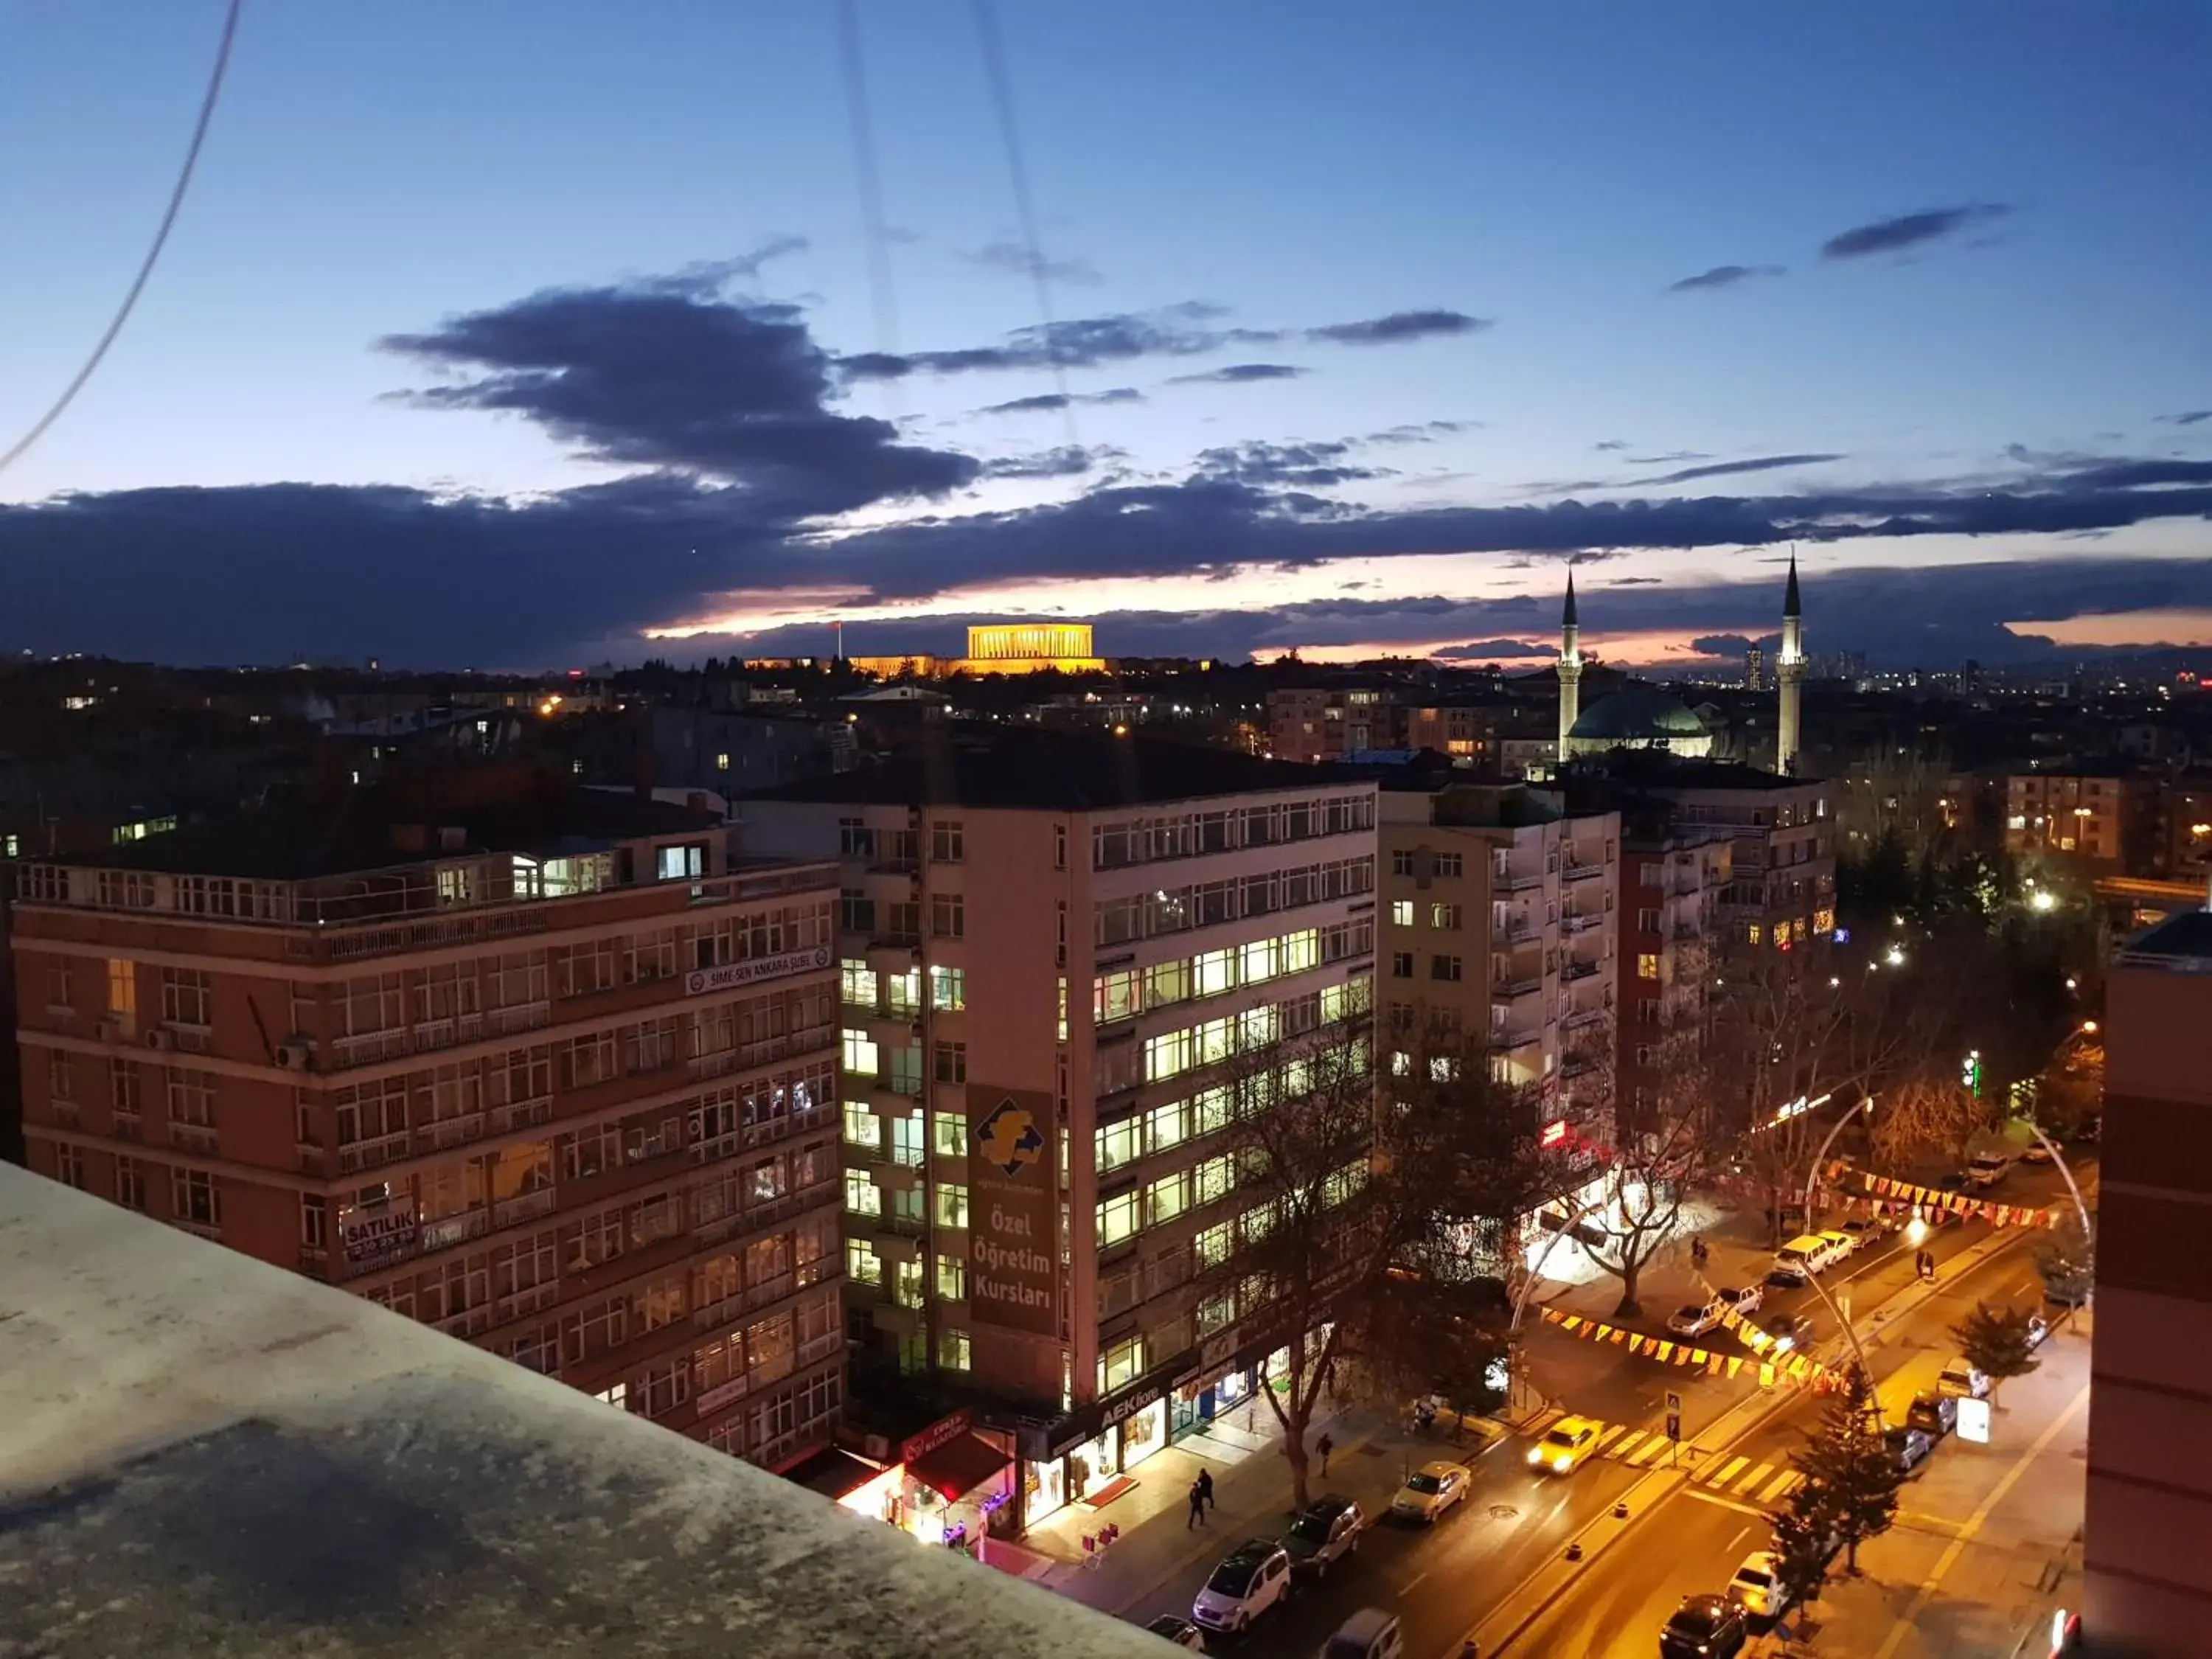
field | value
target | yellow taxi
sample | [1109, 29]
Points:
[1564, 1445]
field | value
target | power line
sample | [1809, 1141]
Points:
[1002, 99]
[875, 231]
[153, 254]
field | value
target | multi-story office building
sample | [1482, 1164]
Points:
[1499, 928]
[2100, 822]
[2149, 1496]
[1320, 724]
[546, 1070]
[1055, 949]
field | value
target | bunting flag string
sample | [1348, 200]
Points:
[1775, 1364]
[1889, 1188]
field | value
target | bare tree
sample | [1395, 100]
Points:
[1925, 1116]
[1369, 1220]
[1664, 1147]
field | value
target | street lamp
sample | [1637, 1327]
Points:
[1812, 1176]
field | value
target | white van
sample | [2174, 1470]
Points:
[1989, 1168]
[1805, 1255]
[1370, 1633]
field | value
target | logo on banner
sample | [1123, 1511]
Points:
[1010, 1139]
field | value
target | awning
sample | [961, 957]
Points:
[958, 1467]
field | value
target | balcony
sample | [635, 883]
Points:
[129, 1126]
[1517, 929]
[1574, 923]
[194, 1138]
[430, 1035]
[1511, 990]
[1507, 1042]
[1516, 881]
[520, 1114]
[358, 1155]
[1581, 1019]
[1574, 970]
[1584, 871]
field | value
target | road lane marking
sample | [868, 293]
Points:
[1544, 1420]
[1729, 1470]
[1784, 1484]
[1651, 1451]
[1752, 1479]
[1598, 1449]
[1956, 1546]
[1627, 1444]
[1703, 1495]
[1406, 1589]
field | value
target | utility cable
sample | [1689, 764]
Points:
[1002, 99]
[153, 254]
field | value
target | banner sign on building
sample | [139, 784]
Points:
[378, 1232]
[942, 1432]
[730, 975]
[1013, 1213]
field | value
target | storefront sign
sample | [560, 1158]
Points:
[700, 981]
[377, 1234]
[1554, 1132]
[1013, 1246]
[943, 1432]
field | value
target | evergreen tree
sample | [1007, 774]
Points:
[1996, 1343]
[1850, 1491]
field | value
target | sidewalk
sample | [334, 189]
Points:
[1987, 1542]
[1252, 1496]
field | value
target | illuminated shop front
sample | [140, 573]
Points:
[951, 1483]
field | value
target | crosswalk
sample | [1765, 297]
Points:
[1738, 1477]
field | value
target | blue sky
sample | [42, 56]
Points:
[1539, 177]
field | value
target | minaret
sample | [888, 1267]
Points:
[1789, 674]
[1571, 666]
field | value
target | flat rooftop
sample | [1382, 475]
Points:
[204, 1456]
[1050, 771]
[365, 830]
[2182, 942]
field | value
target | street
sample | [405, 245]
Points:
[1473, 1567]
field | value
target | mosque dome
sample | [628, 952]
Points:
[1639, 717]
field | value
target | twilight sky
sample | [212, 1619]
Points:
[514, 334]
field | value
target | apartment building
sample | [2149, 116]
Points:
[2099, 821]
[1054, 947]
[547, 1070]
[1782, 844]
[2149, 1576]
[1318, 724]
[1499, 924]
[1673, 878]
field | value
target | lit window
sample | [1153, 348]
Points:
[1401, 912]
[862, 1195]
[722, 762]
[1445, 916]
[862, 1265]
[1647, 965]
[948, 1133]
[953, 1351]
[862, 1126]
[951, 1205]
[948, 989]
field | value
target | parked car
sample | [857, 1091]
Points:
[1749, 1299]
[1370, 1633]
[1960, 1380]
[1757, 1586]
[1868, 1229]
[1252, 1578]
[1907, 1447]
[1432, 1489]
[1696, 1319]
[1788, 1330]
[1180, 1631]
[2038, 1328]
[1987, 1169]
[1788, 1275]
[1842, 1245]
[1956, 1182]
[1564, 1445]
[1704, 1627]
[2035, 1152]
[1327, 1532]
[1934, 1414]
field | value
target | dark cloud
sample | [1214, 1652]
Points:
[1399, 326]
[1670, 458]
[2189, 417]
[1721, 469]
[1048, 401]
[1190, 329]
[1910, 230]
[671, 374]
[1722, 645]
[1012, 256]
[1304, 465]
[1606, 445]
[1420, 432]
[1068, 461]
[1238, 373]
[1633, 581]
[1495, 650]
[1721, 276]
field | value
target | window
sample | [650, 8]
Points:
[1401, 964]
[1647, 964]
[685, 863]
[722, 760]
[123, 1094]
[194, 1197]
[131, 1184]
[1401, 862]
[951, 1062]
[185, 996]
[1446, 916]
[862, 1126]
[1444, 968]
[862, 1265]
[906, 1284]
[1116, 995]
[192, 1099]
[948, 1133]
[1753, 933]
[1401, 912]
[952, 1350]
[122, 989]
[1446, 867]
[1647, 921]
[947, 845]
[906, 1140]
[861, 1057]
[68, 1166]
[1060, 847]
[948, 989]
[862, 1195]
[1121, 1364]
[948, 915]
[950, 1205]
[951, 1278]
[905, 1074]
[1120, 1217]
[1649, 1013]
[61, 1077]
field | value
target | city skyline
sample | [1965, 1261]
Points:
[1344, 343]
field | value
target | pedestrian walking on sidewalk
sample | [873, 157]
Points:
[1204, 1486]
[1197, 1507]
[1324, 1446]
